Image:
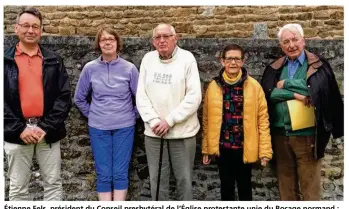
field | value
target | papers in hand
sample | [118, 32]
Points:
[301, 116]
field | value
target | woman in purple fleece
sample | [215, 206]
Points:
[111, 113]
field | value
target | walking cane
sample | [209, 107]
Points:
[160, 165]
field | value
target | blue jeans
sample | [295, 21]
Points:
[112, 151]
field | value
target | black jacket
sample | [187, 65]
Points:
[324, 93]
[57, 100]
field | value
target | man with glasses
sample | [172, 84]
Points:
[305, 82]
[168, 97]
[36, 104]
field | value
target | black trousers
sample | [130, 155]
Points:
[231, 169]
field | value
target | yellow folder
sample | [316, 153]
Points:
[301, 115]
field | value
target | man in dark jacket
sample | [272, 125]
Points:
[304, 78]
[36, 104]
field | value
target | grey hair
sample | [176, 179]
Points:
[291, 27]
[32, 11]
[173, 31]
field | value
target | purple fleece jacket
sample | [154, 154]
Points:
[113, 84]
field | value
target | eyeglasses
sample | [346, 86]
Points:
[26, 27]
[231, 59]
[165, 37]
[110, 40]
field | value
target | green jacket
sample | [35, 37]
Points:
[282, 122]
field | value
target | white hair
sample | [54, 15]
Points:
[294, 27]
[167, 25]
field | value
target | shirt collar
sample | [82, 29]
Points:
[116, 60]
[300, 59]
[19, 51]
[173, 54]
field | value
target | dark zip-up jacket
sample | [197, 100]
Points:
[57, 99]
[324, 93]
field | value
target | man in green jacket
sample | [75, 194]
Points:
[309, 80]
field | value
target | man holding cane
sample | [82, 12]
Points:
[168, 96]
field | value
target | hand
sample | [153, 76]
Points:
[28, 136]
[280, 84]
[40, 133]
[206, 159]
[161, 128]
[264, 161]
[306, 100]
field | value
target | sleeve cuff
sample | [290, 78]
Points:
[40, 125]
[169, 119]
[286, 83]
[153, 121]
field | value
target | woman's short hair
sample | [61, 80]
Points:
[110, 31]
[233, 47]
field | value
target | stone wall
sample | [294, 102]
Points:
[78, 167]
[321, 22]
